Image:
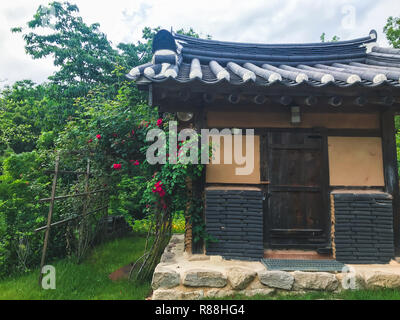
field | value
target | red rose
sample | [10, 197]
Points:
[159, 122]
[158, 189]
[117, 166]
[98, 136]
[90, 140]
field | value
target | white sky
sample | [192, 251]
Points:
[265, 21]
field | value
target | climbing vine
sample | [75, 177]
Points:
[166, 193]
[114, 132]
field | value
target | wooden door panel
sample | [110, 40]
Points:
[295, 207]
[295, 210]
[295, 167]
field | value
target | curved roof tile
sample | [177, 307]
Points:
[339, 64]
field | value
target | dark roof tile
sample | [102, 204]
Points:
[346, 62]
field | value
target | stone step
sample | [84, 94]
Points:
[296, 254]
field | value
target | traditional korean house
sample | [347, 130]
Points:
[325, 175]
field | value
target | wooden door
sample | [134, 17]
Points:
[295, 210]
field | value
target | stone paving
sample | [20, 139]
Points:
[180, 276]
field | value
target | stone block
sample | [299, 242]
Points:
[314, 281]
[240, 278]
[204, 278]
[164, 277]
[277, 279]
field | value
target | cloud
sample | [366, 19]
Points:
[273, 21]
[133, 19]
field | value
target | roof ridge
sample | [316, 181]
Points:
[372, 37]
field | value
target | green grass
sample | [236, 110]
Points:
[89, 280]
[382, 294]
[86, 281]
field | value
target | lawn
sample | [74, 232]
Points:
[89, 280]
[86, 281]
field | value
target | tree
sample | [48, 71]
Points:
[140, 53]
[82, 52]
[88, 105]
[334, 38]
[24, 112]
[392, 31]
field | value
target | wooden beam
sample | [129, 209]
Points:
[72, 195]
[200, 122]
[150, 95]
[389, 153]
[353, 132]
[208, 97]
[387, 100]
[163, 94]
[277, 90]
[260, 99]
[271, 105]
[285, 100]
[328, 132]
[335, 101]
[65, 172]
[234, 98]
[70, 219]
[325, 183]
[184, 95]
[361, 101]
[311, 100]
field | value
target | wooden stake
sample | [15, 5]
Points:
[51, 207]
[74, 195]
[82, 234]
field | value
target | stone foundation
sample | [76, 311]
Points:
[181, 276]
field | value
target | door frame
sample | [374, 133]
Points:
[325, 191]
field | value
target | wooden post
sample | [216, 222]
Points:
[87, 175]
[104, 205]
[51, 207]
[105, 218]
[391, 169]
[200, 122]
[188, 223]
[82, 234]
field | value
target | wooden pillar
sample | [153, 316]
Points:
[389, 152]
[188, 224]
[198, 187]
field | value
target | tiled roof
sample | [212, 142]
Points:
[184, 59]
